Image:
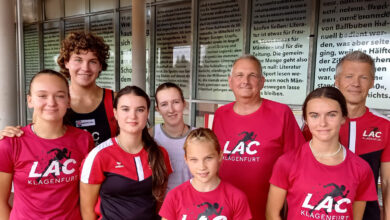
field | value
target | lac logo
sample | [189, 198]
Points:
[372, 133]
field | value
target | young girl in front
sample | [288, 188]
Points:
[205, 196]
[44, 163]
[172, 133]
[322, 179]
[129, 172]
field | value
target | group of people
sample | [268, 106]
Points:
[254, 164]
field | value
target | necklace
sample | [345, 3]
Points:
[316, 154]
[183, 131]
[123, 148]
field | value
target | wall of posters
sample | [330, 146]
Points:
[345, 26]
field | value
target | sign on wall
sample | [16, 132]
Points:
[345, 26]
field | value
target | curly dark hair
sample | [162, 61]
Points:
[79, 41]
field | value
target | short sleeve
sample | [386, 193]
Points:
[280, 172]
[6, 155]
[386, 151]
[168, 207]
[166, 160]
[293, 137]
[366, 190]
[92, 168]
[242, 210]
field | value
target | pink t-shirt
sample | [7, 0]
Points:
[45, 173]
[318, 191]
[251, 145]
[225, 202]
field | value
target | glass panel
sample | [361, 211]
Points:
[52, 9]
[125, 49]
[125, 3]
[76, 24]
[220, 43]
[29, 11]
[75, 7]
[205, 114]
[103, 25]
[101, 5]
[51, 45]
[31, 56]
[173, 49]
[345, 26]
[280, 40]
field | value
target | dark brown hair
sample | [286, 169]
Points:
[169, 85]
[51, 73]
[155, 155]
[202, 134]
[326, 92]
[76, 42]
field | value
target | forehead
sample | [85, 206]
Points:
[322, 105]
[131, 100]
[168, 94]
[246, 65]
[44, 82]
[355, 67]
[84, 54]
[200, 147]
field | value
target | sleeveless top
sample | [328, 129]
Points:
[100, 122]
[174, 146]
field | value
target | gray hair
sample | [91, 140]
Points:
[248, 57]
[357, 56]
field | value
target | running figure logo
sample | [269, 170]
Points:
[336, 192]
[209, 211]
[59, 155]
[248, 136]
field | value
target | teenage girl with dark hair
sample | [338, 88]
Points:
[130, 171]
[322, 179]
[44, 163]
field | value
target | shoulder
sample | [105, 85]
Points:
[357, 162]
[99, 149]
[77, 131]
[231, 190]
[374, 114]
[225, 108]
[275, 106]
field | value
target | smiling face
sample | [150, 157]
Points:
[49, 97]
[171, 106]
[84, 68]
[203, 161]
[354, 80]
[324, 119]
[131, 113]
[246, 80]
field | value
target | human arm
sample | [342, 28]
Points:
[89, 194]
[5, 191]
[11, 131]
[275, 202]
[385, 186]
[358, 209]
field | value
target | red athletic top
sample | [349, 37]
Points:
[251, 145]
[45, 173]
[318, 191]
[126, 181]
